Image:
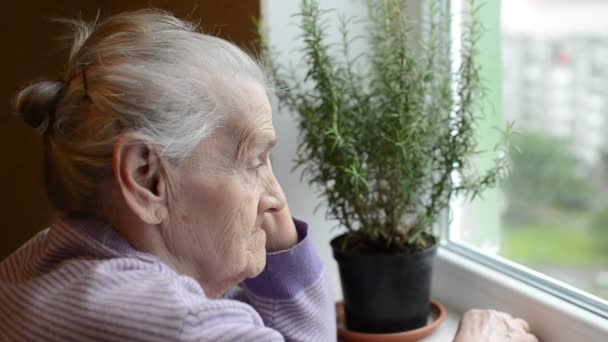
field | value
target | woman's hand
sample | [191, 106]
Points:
[280, 230]
[489, 325]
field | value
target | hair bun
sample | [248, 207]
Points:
[36, 103]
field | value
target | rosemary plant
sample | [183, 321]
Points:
[384, 133]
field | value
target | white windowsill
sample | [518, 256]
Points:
[446, 331]
[461, 284]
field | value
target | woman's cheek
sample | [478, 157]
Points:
[253, 181]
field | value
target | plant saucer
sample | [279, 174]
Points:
[437, 316]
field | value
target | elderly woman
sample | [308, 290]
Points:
[171, 224]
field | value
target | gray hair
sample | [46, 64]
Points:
[146, 72]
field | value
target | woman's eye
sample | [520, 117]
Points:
[261, 161]
[257, 166]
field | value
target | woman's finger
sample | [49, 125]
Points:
[530, 338]
[518, 324]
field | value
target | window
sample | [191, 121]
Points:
[545, 64]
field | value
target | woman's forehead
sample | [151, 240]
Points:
[248, 110]
[243, 96]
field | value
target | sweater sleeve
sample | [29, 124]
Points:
[292, 294]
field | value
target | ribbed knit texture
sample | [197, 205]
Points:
[81, 281]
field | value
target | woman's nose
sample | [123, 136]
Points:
[273, 199]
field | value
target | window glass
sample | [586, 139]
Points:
[552, 212]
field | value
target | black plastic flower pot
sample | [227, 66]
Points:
[385, 293]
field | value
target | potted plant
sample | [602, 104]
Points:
[388, 138]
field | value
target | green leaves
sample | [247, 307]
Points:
[382, 134]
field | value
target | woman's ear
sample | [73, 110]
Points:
[139, 173]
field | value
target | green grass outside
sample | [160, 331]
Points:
[550, 245]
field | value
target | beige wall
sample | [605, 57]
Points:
[30, 51]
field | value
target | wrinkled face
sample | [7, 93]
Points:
[221, 193]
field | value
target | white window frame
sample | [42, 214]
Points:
[465, 278]
[462, 283]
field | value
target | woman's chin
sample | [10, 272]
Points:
[258, 262]
[255, 256]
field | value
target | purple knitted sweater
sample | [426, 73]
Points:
[78, 281]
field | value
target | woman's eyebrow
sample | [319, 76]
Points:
[269, 144]
[264, 144]
[247, 142]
